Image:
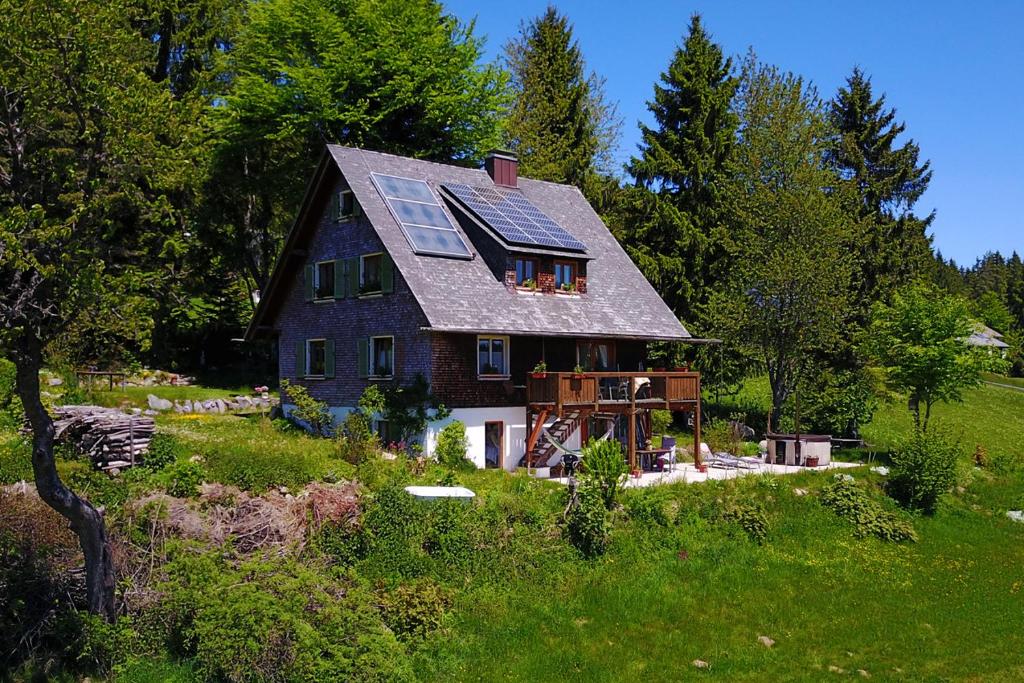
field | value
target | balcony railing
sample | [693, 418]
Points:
[609, 390]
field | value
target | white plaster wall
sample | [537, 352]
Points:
[337, 412]
[474, 419]
[822, 449]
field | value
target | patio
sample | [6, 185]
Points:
[688, 473]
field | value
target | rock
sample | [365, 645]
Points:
[766, 641]
[136, 411]
[55, 381]
[197, 407]
[843, 477]
[701, 664]
[196, 458]
[799, 492]
[881, 469]
[157, 403]
[863, 673]
[188, 405]
[243, 401]
[743, 431]
[220, 406]
[1016, 515]
[836, 670]
[150, 412]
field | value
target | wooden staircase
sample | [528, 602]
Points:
[561, 430]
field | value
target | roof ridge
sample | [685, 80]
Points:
[363, 150]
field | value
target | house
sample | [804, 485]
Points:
[985, 337]
[398, 267]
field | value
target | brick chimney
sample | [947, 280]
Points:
[503, 167]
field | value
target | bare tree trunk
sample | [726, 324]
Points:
[85, 520]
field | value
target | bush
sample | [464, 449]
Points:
[604, 467]
[646, 507]
[164, 450]
[720, 436]
[852, 503]
[414, 610]
[393, 526]
[356, 440]
[182, 479]
[924, 468]
[751, 518]
[587, 523]
[660, 420]
[452, 446]
[278, 620]
[15, 459]
[313, 412]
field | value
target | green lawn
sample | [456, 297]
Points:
[1002, 379]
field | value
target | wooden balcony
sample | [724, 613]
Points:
[613, 391]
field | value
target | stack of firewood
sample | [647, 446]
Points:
[111, 438]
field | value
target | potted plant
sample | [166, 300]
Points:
[811, 461]
[578, 372]
[568, 286]
[529, 283]
[540, 370]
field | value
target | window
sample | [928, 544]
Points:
[323, 280]
[492, 356]
[595, 356]
[316, 357]
[343, 205]
[526, 272]
[565, 276]
[370, 269]
[382, 356]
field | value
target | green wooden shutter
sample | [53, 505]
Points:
[334, 207]
[387, 274]
[300, 358]
[339, 279]
[353, 276]
[363, 356]
[329, 358]
[309, 283]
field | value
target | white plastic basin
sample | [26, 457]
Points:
[435, 492]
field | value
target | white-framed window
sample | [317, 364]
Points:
[344, 205]
[382, 356]
[492, 357]
[371, 268]
[323, 280]
[316, 357]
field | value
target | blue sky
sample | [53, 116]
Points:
[953, 71]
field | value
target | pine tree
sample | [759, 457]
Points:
[560, 126]
[887, 181]
[681, 171]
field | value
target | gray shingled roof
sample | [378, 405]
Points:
[464, 296]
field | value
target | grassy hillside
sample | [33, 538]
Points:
[684, 578]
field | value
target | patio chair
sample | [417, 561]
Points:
[668, 460]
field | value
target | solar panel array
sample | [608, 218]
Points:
[423, 221]
[512, 216]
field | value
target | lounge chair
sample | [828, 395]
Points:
[724, 460]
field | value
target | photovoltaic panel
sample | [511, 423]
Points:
[514, 217]
[423, 221]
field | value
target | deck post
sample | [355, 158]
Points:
[697, 460]
[531, 441]
[631, 441]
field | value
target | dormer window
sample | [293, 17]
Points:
[526, 273]
[565, 276]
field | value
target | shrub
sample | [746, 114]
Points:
[660, 420]
[356, 440]
[452, 446]
[720, 436]
[605, 468]
[751, 518]
[852, 503]
[393, 527]
[313, 412]
[1005, 462]
[164, 450]
[924, 468]
[15, 459]
[279, 620]
[587, 523]
[645, 506]
[414, 610]
[182, 479]
[447, 537]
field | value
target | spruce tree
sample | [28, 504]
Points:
[887, 180]
[676, 211]
[560, 125]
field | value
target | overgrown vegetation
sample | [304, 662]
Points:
[452, 446]
[924, 468]
[604, 469]
[853, 503]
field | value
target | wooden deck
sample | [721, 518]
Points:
[554, 394]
